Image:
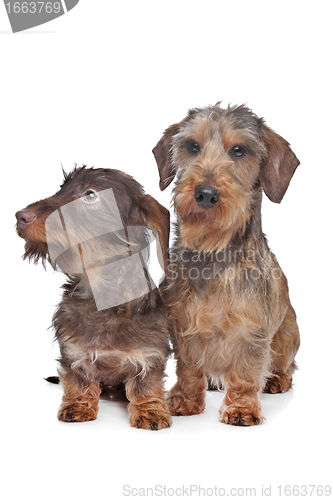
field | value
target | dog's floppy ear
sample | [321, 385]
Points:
[156, 217]
[278, 167]
[162, 153]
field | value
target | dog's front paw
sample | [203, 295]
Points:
[179, 405]
[76, 413]
[153, 421]
[144, 418]
[241, 416]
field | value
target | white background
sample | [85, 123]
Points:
[98, 86]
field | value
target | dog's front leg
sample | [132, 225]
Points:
[147, 408]
[187, 397]
[243, 380]
[80, 399]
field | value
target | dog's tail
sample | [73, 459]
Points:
[53, 380]
[117, 392]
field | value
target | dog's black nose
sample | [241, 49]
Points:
[206, 196]
[24, 217]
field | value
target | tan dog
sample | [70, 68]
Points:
[228, 299]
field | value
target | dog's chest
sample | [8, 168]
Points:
[95, 361]
[200, 270]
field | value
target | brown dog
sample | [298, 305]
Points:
[111, 324]
[227, 297]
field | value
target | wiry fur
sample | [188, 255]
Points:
[128, 343]
[229, 308]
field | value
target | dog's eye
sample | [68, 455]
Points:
[238, 151]
[193, 147]
[90, 196]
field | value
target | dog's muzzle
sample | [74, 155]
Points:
[206, 196]
[24, 218]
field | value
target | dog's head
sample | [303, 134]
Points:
[97, 216]
[221, 157]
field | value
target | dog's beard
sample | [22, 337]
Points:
[208, 229]
[35, 247]
[34, 252]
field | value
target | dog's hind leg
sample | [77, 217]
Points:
[284, 347]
